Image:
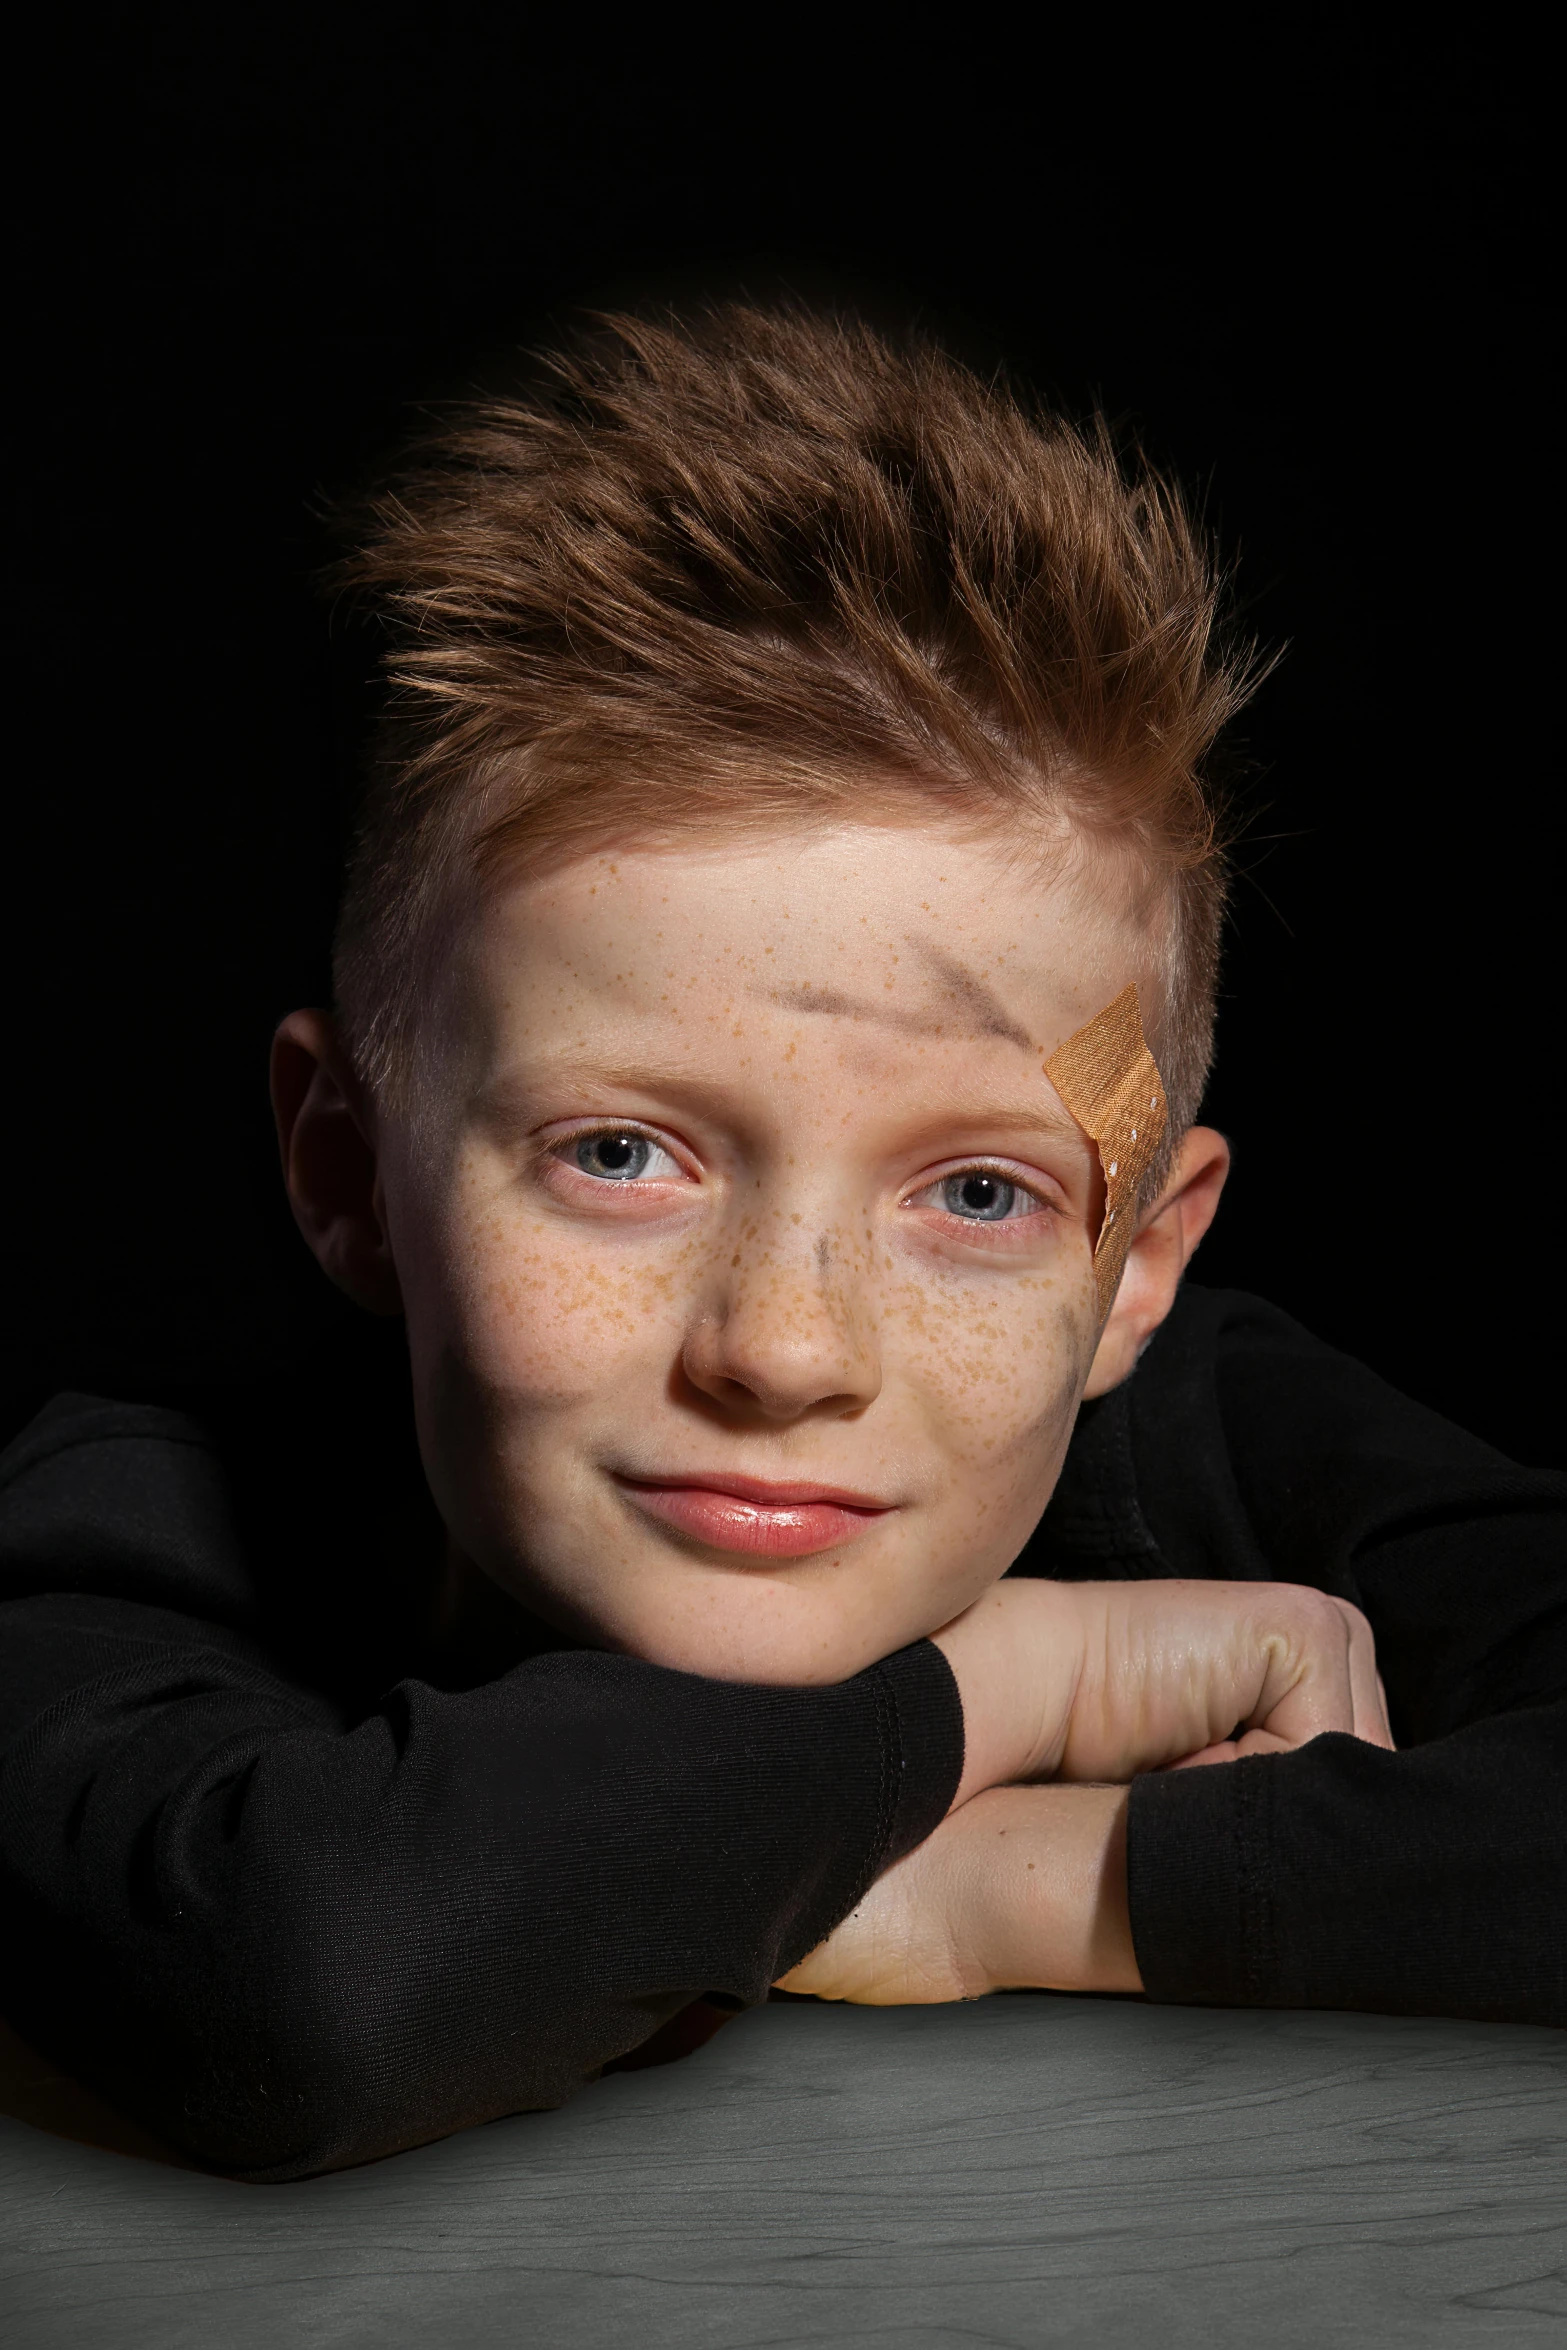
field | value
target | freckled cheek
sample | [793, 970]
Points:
[554, 1315]
[998, 1371]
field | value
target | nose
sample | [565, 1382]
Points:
[791, 1333]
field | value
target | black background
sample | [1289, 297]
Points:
[1308, 274]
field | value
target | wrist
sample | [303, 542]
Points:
[1043, 1889]
[1016, 1655]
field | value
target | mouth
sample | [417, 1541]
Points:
[751, 1514]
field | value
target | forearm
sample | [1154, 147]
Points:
[290, 1981]
[1022, 1888]
[1426, 1882]
[1040, 1889]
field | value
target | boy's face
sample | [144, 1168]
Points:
[745, 1249]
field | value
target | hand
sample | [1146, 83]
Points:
[1025, 1886]
[1097, 1681]
[1197, 1672]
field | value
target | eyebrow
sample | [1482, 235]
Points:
[987, 1014]
[507, 1100]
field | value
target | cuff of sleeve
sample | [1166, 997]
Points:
[1423, 1882]
[1197, 1889]
[921, 1721]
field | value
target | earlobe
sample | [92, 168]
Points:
[325, 1137]
[1167, 1237]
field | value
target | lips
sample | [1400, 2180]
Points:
[752, 1515]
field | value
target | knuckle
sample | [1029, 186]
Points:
[1320, 1616]
[1303, 1612]
[1359, 1623]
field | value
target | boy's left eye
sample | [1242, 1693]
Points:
[979, 1196]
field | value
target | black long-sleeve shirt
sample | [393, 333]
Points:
[297, 1888]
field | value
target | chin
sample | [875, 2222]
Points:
[802, 1655]
[773, 1671]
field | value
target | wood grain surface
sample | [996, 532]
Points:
[1026, 2171]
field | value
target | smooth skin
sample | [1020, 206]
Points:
[729, 1168]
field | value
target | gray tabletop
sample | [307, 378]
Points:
[1028, 2170]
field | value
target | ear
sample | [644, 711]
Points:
[326, 1133]
[1167, 1237]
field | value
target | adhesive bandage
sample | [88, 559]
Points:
[1110, 1082]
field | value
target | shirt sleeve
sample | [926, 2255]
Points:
[291, 1938]
[1426, 1881]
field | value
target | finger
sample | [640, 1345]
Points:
[1236, 1750]
[1368, 1697]
[1308, 1688]
[1225, 1750]
[1265, 1742]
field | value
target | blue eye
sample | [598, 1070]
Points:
[980, 1198]
[614, 1158]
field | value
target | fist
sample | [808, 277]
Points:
[1197, 1672]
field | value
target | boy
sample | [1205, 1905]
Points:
[774, 995]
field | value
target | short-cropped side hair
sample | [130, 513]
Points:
[771, 566]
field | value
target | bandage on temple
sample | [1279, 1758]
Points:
[1110, 1082]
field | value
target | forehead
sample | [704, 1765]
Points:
[860, 930]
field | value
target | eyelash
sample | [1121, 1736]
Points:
[564, 1150]
[991, 1171]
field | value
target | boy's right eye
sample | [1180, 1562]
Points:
[619, 1155]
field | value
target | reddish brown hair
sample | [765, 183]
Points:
[771, 566]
